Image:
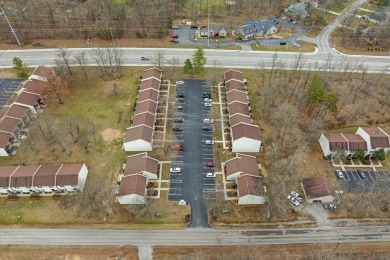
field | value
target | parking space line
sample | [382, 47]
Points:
[346, 174]
[369, 174]
[387, 175]
[378, 175]
[175, 181]
[353, 176]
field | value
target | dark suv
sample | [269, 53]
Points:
[362, 174]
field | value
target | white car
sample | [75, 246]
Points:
[207, 100]
[210, 175]
[297, 196]
[339, 174]
[293, 200]
[207, 104]
[207, 120]
[209, 142]
[179, 82]
[145, 58]
[388, 69]
[175, 27]
[176, 169]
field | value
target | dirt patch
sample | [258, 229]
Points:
[68, 253]
[110, 134]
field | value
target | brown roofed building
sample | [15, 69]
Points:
[11, 125]
[355, 143]
[23, 176]
[138, 138]
[318, 189]
[233, 75]
[238, 96]
[235, 86]
[27, 99]
[250, 190]
[149, 84]
[18, 111]
[145, 118]
[241, 164]
[145, 106]
[238, 108]
[68, 175]
[331, 143]
[150, 94]
[245, 138]
[5, 143]
[46, 175]
[5, 175]
[132, 189]
[42, 71]
[143, 164]
[238, 118]
[152, 73]
[376, 139]
[35, 86]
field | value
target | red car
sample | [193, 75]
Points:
[210, 164]
[177, 147]
[173, 40]
[175, 36]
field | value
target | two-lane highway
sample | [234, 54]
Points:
[192, 236]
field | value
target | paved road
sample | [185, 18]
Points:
[192, 236]
[190, 184]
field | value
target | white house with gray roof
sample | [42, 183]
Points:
[252, 29]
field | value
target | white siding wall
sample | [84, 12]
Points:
[233, 177]
[137, 146]
[365, 136]
[325, 199]
[3, 152]
[83, 176]
[131, 199]
[246, 145]
[324, 145]
[251, 199]
[150, 175]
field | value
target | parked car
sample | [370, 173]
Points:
[297, 196]
[179, 108]
[206, 95]
[330, 206]
[194, 26]
[145, 58]
[207, 120]
[177, 147]
[180, 100]
[173, 40]
[210, 175]
[175, 27]
[362, 174]
[179, 95]
[339, 174]
[175, 170]
[207, 104]
[207, 129]
[175, 36]
[209, 142]
[179, 82]
[176, 41]
[207, 100]
[178, 120]
[210, 164]
[293, 200]
[177, 129]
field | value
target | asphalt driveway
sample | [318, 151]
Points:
[375, 181]
[191, 184]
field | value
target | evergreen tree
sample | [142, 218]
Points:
[188, 66]
[199, 60]
[20, 68]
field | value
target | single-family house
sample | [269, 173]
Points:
[376, 139]
[215, 30]
[239, 165]
[297, 10]
[143, 164]
[245, 138]
[133, 189]
[138, 138]
[250, 190]
[252, 29]
[318, 189]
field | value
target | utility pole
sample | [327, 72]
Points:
[10, 26]
[112, 37]
[208, 24]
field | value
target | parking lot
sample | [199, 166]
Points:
[7, 88]
[191, 184]
[374, 181]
